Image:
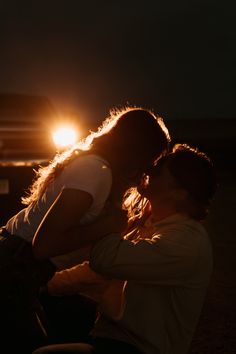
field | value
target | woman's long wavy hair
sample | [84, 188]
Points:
[128, 129]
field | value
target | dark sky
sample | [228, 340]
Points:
[177, 57]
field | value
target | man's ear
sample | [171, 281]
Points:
[181, 194]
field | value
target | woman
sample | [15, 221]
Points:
[71, 191]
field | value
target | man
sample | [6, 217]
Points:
[166, 269]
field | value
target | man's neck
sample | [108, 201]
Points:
[160, 213]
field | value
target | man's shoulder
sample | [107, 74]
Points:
[181, 230]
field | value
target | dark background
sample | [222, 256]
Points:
[177, 57]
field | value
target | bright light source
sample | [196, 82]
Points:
[64, 137]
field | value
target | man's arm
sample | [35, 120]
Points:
[157, 260]
[81, 279]
[78, 279]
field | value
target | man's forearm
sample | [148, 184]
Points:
[145, 260]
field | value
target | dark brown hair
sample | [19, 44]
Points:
[194, 172]
[130, 134]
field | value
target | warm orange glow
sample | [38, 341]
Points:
[65, 136]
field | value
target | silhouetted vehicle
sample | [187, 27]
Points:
[25, 127]
[25, 143]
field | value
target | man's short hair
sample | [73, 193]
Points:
[194, 172]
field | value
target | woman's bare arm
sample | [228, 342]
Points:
[58, 232]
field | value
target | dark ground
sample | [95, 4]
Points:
[216, 331]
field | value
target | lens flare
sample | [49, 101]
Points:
[64, 137]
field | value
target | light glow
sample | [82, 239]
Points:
[64, 136]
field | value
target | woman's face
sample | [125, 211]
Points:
[135, 171]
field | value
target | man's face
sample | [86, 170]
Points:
[162, 185]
